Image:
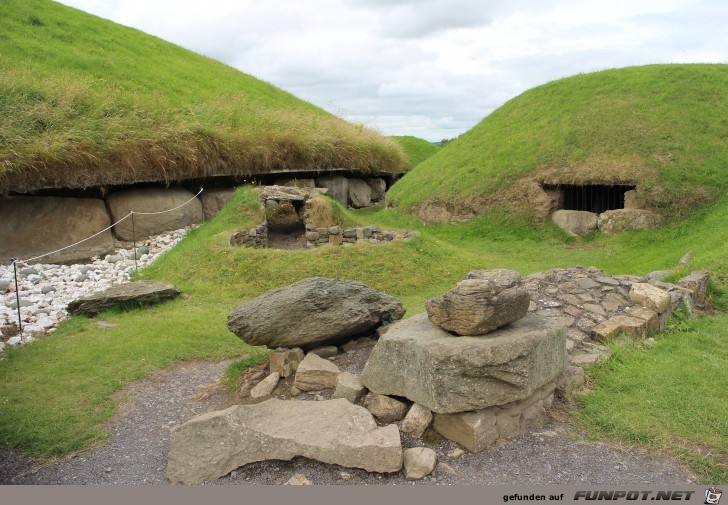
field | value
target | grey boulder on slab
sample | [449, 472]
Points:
[313, 312]
[448, 374]
[141, 292]
[483, 301]
[332, 431]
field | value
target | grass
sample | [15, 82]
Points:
[417, 149]
[84, 102]
[56, 393]
[662, 127]
[670, 396]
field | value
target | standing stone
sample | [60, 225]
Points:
[360, 193]
[34, 225]
[418, 462]
[482, 302]
[338, 187]
[335, 431]
[697, 283]
[384, 408]
[285, 361]
[379, 188]
[313, 312]
[422, 362]
[417, 420]
[153, 200]
[315, 373]
[266, 386]
[349, 386]
[215, 199]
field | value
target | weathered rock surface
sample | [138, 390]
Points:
[543, 202]
[30, 227]
[266, 386]
[650, 296]
[360, 193]
[334, 431]
[215, 199]
[576, 222]
[384, 408]
[422, 362]
[313, 312]
[338, 187]
[618, 220]
[349, 387]
[285, 361]
[315, 373]
[137, 292]
[697, 283]
[153, 200]
[482, 302]
[418, 462]
[416, 421]
[378, 186]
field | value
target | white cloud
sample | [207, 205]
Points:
[432, 68]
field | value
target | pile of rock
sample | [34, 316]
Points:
[476, 359]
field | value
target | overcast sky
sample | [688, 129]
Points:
[429, 68]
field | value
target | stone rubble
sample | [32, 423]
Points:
[45, 290]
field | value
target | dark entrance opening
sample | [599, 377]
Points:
[286, 229]
[593, 197]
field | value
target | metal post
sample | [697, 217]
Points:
[133, 234]
[17, 295]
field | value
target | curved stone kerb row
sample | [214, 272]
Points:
[313, 312]
[334, 431]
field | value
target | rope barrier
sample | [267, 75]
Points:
[16, 261]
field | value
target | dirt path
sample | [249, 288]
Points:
[137, 449]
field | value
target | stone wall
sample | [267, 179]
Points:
[256, 238]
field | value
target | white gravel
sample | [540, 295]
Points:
[45, 290]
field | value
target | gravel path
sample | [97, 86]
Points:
[137, 449]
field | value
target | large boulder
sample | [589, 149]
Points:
[379, 188]
[422, 362]
[618, 220]
[576, 222]
[360, 193]
[338, 187]
[313, 312]
[482, 302]
[215, 199]
[137, 292]
[334, 431]
[33, 226]
[151, 200]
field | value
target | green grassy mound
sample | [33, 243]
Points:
[84, 101]
[417, 149]
[662, 127]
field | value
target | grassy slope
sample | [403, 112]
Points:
[86, 101]
[663, 126]
[417, 149]
[54, 393]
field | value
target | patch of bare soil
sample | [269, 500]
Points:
[139, 441]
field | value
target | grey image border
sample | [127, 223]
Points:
[345, 494]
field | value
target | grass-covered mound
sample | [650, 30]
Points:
[84, 101]
[661, 127]
[417, 149]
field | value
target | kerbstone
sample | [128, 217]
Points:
[137, 292]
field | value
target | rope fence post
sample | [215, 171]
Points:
[17, 295]
[133, 236]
